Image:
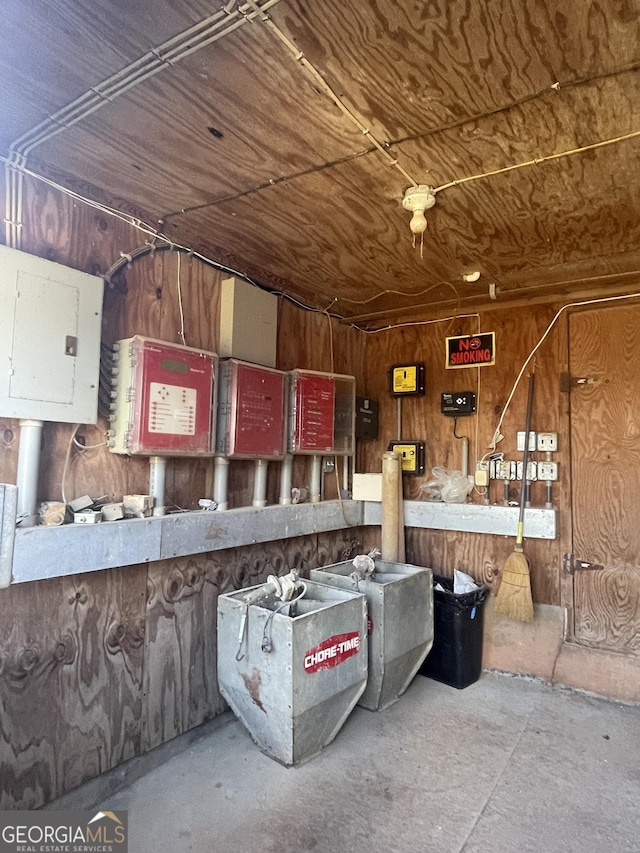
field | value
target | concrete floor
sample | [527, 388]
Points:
[504, 765]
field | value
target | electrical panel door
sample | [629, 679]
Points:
[163, 399]
[251, 411]
[50, 319]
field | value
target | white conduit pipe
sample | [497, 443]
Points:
[28, 470]
[286, 476]
[214, 27]
[260, 483]
[316, 476]
[221, 482]
[157, 479]
[465, 455]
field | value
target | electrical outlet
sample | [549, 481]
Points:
[328, 464]
[547, 470]
[520, 441]
[482, 474]
[548, 441]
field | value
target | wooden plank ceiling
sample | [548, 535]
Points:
[240, 154]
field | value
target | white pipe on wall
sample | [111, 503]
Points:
[157, 479]
[260, 483]
[286, 476]
[465, 455]
[316, 477]
[28, 471]
[221, 482]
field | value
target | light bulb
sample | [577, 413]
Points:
[418, 222]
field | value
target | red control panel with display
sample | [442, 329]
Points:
[164, 398]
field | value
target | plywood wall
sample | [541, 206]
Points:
[516, 334]
[97, 668]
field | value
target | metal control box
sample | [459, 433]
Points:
[400, 623]
[49, 340]
[292, 673]
[321, 413]
[252, 404]
[163, 399]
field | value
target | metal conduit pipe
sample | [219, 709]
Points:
[316, 477]
[221, 482]
[28, 471]
[260, 483]
[157, 479]
[286, 475]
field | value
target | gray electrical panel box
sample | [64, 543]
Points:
[50, 326]
[248, 323]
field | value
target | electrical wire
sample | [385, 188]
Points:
[537, 160]
[299, 56]
[67, 459]
[181, 332]
[497, 437]
[88, 446]
[411, 294]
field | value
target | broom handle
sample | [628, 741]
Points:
[525, 462]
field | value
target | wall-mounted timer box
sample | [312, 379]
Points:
[50, 323]
[321, 413]
[412, 453]
[407, 380]
[458, 403]
[163, 399]
[252, 403]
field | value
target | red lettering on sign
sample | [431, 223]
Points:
[369, 625]
[332, 651]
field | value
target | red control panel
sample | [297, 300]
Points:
[314, 404]
[165, 395]
[251, 416]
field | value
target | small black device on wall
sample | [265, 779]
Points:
[458, 403]
[366, 418]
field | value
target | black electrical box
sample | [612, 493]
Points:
[412, 455]
[406, 380]
[366, 418]
[458, 403]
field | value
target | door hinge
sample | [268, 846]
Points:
[571, 564]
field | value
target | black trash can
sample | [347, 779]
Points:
[456, 655]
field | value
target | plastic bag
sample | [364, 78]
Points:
[463, 582]
[448, 486]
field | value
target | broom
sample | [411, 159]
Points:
[514, 596]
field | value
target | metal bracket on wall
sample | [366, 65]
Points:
[571, 564]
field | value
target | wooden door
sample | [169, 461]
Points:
[604, 363]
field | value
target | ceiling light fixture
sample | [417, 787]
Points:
[417, 199]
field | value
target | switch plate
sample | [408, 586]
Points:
[532, 441]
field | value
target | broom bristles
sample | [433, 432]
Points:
[514, 596]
